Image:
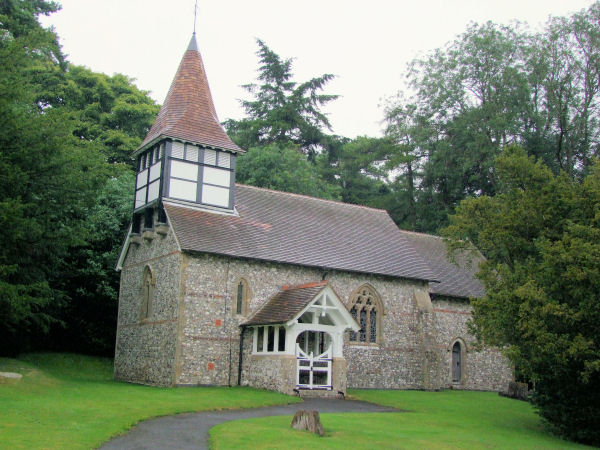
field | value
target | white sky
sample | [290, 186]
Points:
[367, 44]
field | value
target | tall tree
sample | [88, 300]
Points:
[47, 178]
[108, 110]
[283, 168]
[540, 235]
[282, 111]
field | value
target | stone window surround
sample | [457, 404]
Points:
[378, 306]
[463, 361]
[246, 296]
[265, 336]
[147, 293]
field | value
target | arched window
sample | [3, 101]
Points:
[457, 362]
[147, 293]
[366, 309]
[242, 297]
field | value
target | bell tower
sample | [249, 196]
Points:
[187, 157]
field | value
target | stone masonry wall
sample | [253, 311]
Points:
[145, 350]
[210, 338]
[485, 369]
[412, 352]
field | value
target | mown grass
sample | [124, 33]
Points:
[70, 401]
[432, 420]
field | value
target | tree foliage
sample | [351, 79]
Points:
[65, 195]
[495, 86]
[540, 234]
[282, 111]
[283, 169]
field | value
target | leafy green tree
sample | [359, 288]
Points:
[540, 235]
[359, 170]
[284, 169]
[88, 318]
[46, 181]
[282, 111]
[110, 111]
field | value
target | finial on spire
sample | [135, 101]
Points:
[195, 13]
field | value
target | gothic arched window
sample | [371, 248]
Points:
[147, 293]
[367, 310]
[242, 297]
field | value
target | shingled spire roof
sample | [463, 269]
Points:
[188, 112]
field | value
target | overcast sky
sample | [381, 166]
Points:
[366, 44]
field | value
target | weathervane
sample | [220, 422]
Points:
[195, 12]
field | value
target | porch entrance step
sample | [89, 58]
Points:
[319, 393]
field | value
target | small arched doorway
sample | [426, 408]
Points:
[314, 355]
[456, 362]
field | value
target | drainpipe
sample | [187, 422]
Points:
[241, 354]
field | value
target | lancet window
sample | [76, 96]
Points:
[147, 294]
[366, 309]
[242, 297]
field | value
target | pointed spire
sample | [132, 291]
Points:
[188, 112]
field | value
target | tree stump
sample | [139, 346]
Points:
[308, 420]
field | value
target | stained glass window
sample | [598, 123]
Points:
[366, 310]
[373, 325]
[363, 325]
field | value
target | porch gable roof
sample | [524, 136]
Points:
[286, 304]
[292, 302]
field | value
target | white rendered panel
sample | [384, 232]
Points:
[210, 157]
[155, 171]
[188, 171]
[177, 150]
[191, 153]
[213, 195]
[153, 189]
[185, 190]
[224, 160]
[217, 176]
[142, 178]
[140, 197]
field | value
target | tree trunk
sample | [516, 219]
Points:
[308, 420]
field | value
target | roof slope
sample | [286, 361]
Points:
[456, 279]
[188, 112]
[286, 304]
[296, 229]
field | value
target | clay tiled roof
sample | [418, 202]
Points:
[188, 112]
[455, 280]
[286, 304]
[296, 229]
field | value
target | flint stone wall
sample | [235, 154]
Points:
[483, 369]
[194, 339]
[145, 350]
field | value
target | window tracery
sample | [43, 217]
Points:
[366, 309]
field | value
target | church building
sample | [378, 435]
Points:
[226, 284]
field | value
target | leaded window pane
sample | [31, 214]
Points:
[240, 298]
[271, 339]
[353, 334]
[259, 339]
[281, 344]
[363, 326]
[373, 326]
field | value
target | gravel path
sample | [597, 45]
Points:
[190, 431]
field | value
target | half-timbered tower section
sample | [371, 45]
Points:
[225, 284]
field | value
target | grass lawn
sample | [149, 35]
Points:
[70, 401]
[448, 419]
